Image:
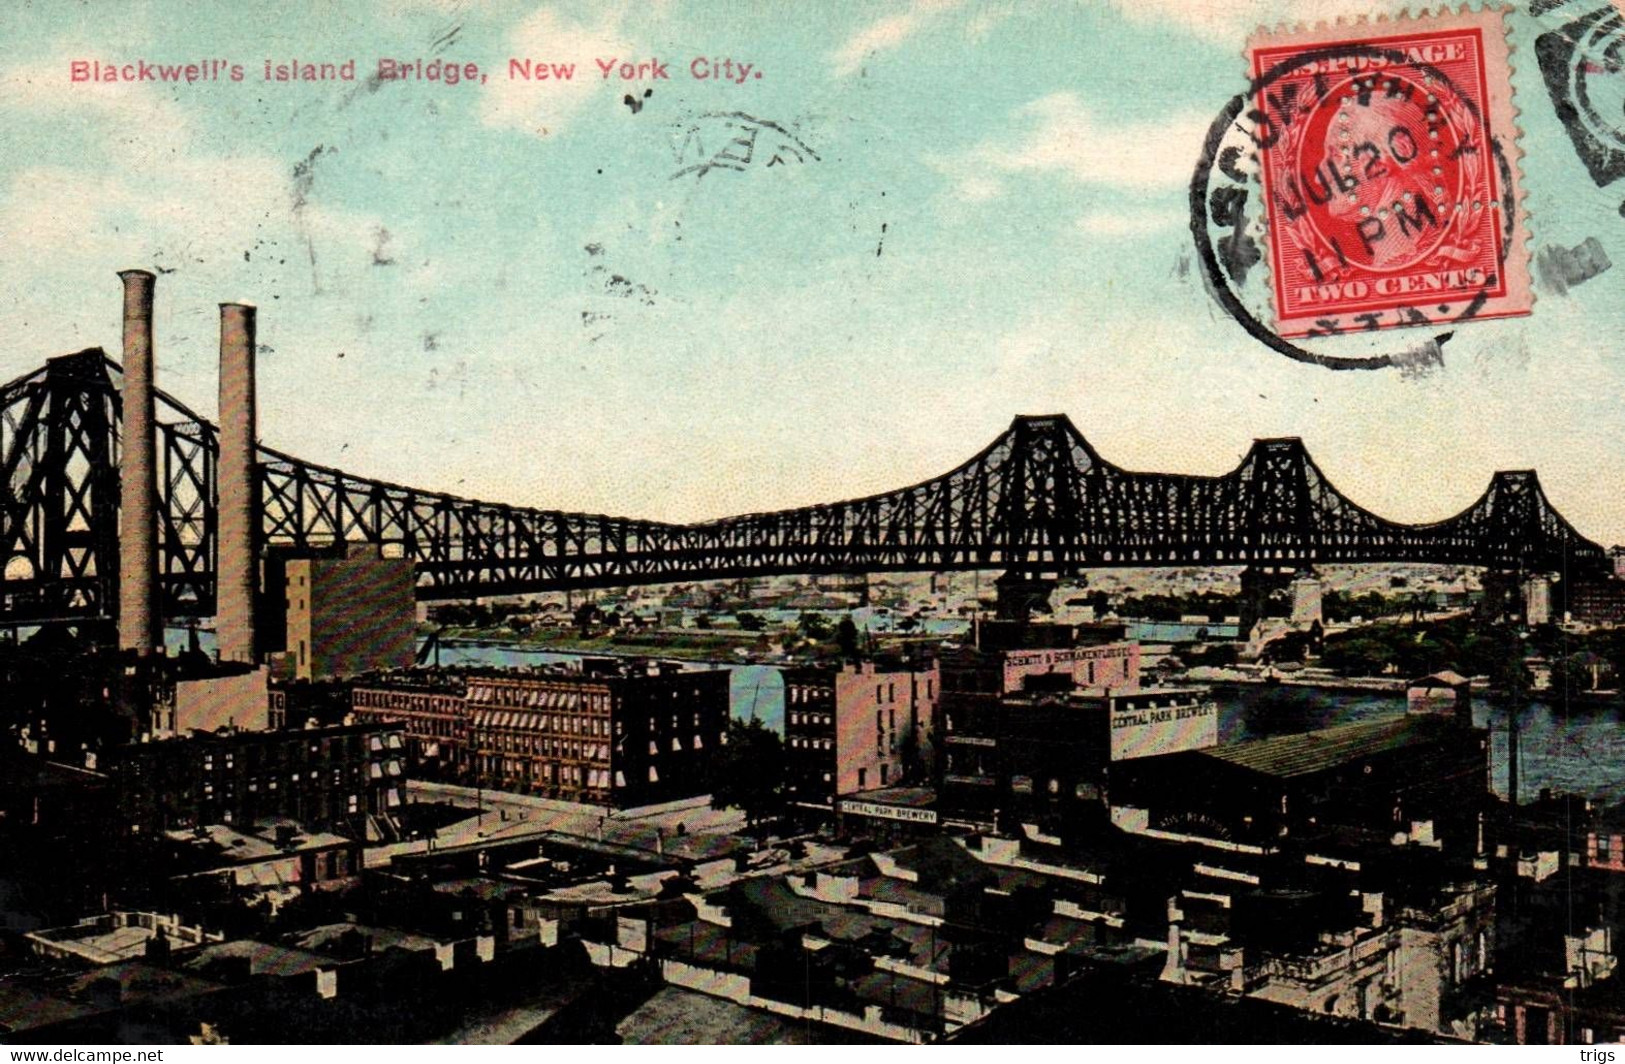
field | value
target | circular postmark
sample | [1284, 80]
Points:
[1383, 200]
[1595, 69]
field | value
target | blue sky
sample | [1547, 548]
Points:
[994, 224]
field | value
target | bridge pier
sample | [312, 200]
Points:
[1020, 595]
[1307, 590]
[1263, 592]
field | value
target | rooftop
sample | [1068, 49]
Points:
[1446, 678]
[219, 845]
[1305, 753]
[910, 797]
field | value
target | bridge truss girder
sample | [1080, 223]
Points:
[1038, 500]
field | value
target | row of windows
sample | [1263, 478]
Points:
[546, 722]
[812, 718]
[417, 701]
[539, 697]
[800, 742]
[423, 725]
[863, 776]
[544, 774]
[309, 780]
[797, 694]
[538, 746]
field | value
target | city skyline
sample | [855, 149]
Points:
[709, 382]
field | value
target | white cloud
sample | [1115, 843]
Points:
[885, 34]
[152, 191]
[543, 108]
[1062, 135]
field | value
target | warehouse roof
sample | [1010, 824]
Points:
[1308, 752]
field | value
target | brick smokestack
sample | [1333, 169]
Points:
[238, 568]
[139, 628]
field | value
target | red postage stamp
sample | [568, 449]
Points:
[1388, 158]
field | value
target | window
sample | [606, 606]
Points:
[883, 768]
[1604, 848]
[863, 778]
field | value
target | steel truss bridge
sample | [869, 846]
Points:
[1036, 501]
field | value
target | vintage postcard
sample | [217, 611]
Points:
[913, 522]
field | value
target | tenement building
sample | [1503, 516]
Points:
[323, 777]
[601, 731]
[856, 728]
[431, 708]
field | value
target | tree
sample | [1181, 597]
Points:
[846, 635]
[1577, 673]
[749, 772]
[814, 626]
[1358, 656]
[1293, 646]
[586, 613]
[750, 622]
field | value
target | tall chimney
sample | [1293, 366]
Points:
[138, 623]
[237, 572]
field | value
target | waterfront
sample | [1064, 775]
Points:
[1566, 749]
[1576, 750]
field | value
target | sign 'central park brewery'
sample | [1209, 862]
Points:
[1161, 722]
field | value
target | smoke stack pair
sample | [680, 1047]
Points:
[140, 626]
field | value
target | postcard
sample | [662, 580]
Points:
[928, 521]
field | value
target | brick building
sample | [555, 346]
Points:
[1605, 840]
[323, 777]
[856, 728]
[1598, 601]
[604, 731]
[433, 712]
[1009, 716]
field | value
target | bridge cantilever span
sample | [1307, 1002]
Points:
[1038, 499]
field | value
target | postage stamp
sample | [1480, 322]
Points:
[1387, 161]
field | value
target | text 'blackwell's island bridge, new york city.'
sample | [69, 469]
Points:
[1038, 503]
